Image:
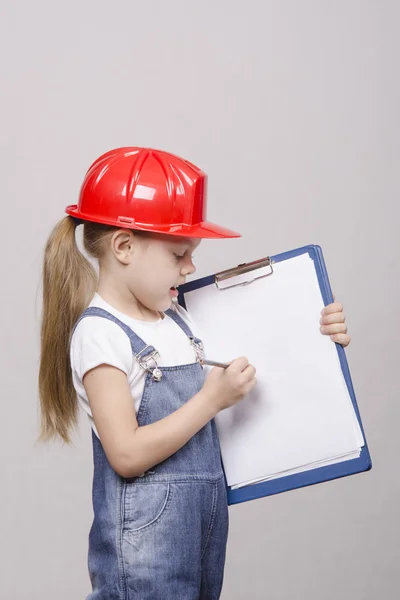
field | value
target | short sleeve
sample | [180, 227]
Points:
[99, 341]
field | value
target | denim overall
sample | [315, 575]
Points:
[161, 535]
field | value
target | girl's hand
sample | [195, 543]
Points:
[333, 323]
[226, 387]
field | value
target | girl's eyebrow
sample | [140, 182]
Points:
[188, 245]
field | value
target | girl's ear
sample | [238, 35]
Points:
[122, 245]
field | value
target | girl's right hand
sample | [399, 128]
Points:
[226, 387]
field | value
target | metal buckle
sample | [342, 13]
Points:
[198, 348]
[145, 361]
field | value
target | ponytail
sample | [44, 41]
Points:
[69, 282]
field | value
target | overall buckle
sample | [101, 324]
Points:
[198, 348]
[149, 361]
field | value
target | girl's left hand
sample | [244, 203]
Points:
[333, 323]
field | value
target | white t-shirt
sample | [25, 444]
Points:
[97, 340]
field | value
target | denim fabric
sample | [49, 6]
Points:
[162, 535]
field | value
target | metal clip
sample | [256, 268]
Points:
[145, 363]
[198, 348]
[241, 270]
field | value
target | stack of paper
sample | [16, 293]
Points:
[299, 415]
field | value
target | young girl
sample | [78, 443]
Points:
[119, 344]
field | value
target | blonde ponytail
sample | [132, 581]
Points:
[69, 282]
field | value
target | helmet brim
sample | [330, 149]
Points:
[205, 229]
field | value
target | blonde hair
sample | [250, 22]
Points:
[69, 283]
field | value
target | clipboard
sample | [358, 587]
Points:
[248, 274]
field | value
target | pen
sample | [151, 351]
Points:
[213, 363]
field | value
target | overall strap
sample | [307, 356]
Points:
[195, 341]
[178, 319]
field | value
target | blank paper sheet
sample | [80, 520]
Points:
[299, 415]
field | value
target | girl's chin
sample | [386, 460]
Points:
[165, 306]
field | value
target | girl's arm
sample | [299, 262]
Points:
[131, 450]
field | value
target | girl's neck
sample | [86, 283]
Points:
[134, 312]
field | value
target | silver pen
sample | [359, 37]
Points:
[213, 363]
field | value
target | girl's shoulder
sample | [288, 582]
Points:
[96, 341]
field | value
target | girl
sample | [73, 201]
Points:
[118, 343]
[130, 355]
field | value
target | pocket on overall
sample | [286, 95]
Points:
[145, 504]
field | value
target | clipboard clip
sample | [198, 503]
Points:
[242, 269]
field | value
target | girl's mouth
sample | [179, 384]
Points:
[174, 292]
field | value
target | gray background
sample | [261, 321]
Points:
[292, 110]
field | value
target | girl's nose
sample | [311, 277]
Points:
[188, 268]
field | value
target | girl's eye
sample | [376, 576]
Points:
[178, 257]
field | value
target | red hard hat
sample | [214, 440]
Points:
[147, 189]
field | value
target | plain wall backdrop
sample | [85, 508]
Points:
[291, 108]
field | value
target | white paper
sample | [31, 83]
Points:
[300, 413]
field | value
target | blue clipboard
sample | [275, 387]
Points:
[320, 474]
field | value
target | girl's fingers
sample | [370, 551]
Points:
[341, 338]
[331, 308]
[333, 323]
[338, 317]
[334, 328]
